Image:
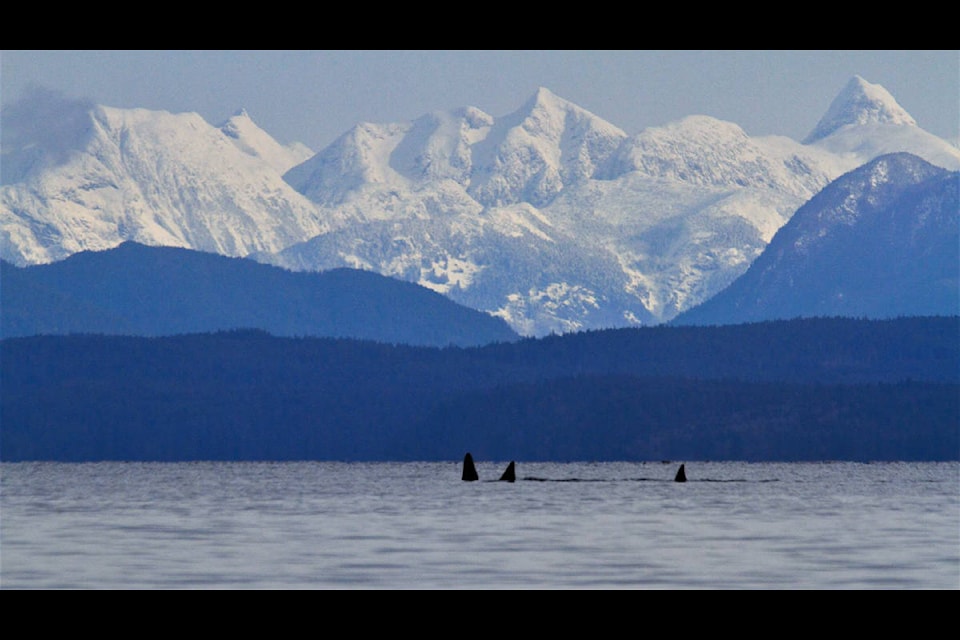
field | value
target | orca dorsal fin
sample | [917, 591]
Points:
[681, 475]
[509, 474]
[469, 470]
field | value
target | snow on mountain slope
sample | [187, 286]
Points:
[534, 153]
[506, 261]
[357, 161]
[253, 140]
[850, 145]
[681, 210]
[157, 178]
[860, 103]
[549, 217]
[438, 146]
[708, 152]
[675, 213]
[864, 122]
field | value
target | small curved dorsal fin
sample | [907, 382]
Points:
[510, 474]
[469, 470]
[681, 475]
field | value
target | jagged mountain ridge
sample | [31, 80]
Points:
[879, 242]
[550, 217]
[681, 210]
[162, 291]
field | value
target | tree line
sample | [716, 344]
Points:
[809, 389]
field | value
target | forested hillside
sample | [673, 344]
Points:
[791, 390]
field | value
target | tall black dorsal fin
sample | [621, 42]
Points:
[681, 475]
[469, 471]
[510, 474]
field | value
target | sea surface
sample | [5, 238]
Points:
[327, 525]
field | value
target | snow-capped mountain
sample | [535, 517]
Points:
[860, 103]
[549, 217]
[879, 242]
[557, 220]
[153, 177]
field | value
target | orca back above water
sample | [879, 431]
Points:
[510, 473]
[681, 475]
[469, 470]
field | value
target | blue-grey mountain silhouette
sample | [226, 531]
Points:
[134, 289]
[881, 241]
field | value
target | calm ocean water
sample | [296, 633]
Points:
[319, 525]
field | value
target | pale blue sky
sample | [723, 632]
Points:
[314, 96]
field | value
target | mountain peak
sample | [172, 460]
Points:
[247, 136]
[544, 107]
[880, 241]
[544, 100]
[859, 103]
[543, 94]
